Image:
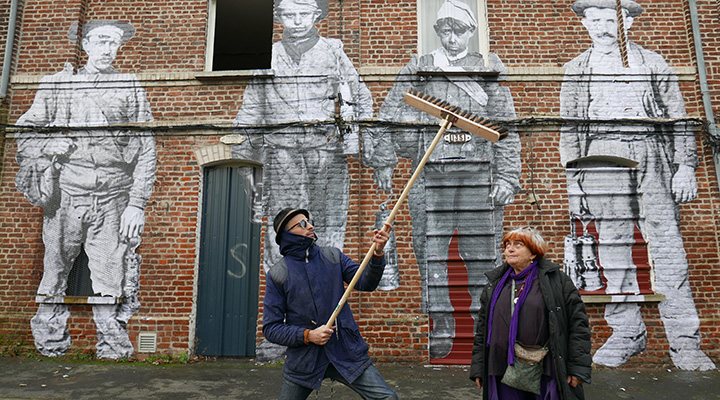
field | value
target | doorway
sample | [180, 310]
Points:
[228, 273]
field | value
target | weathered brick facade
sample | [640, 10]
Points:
[193, 110]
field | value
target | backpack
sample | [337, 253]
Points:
[279, 273]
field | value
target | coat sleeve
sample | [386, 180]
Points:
[579, 361]
[274, 328]
[570, 102]
[138, 111]
[507, 151]
[666, 92]
[477, 363]
[370, 278]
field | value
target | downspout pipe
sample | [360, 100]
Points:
[9, 44]
[704, 89]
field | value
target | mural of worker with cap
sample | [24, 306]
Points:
[467, 181]
[598, 86]
[93, 184]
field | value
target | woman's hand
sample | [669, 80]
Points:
[573, 381]
[478, 383]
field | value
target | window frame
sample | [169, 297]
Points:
[428, 41]
[210, 45]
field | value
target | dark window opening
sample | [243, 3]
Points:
[243, 34]
[79, 283]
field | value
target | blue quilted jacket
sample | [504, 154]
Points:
[303, 297]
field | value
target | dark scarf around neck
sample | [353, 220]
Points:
[296, 47]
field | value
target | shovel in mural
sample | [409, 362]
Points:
[450, 115]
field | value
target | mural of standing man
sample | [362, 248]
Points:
[289, 119]
[464, 174]
[598, 87]
[93, 182]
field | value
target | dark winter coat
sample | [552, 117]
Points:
[304, 299]
[567, 322]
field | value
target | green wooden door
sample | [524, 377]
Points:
[228, 274]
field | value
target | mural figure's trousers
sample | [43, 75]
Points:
[93, 223]
[659, 224]
[315, 179]
[90, 222]
[443, 205]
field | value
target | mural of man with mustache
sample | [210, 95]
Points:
[597, 86]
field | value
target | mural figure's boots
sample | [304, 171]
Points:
[49, 328]
[618, 349]
[112, 338]
[441, 336]
[691, 359]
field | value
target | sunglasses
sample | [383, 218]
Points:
[303, 224]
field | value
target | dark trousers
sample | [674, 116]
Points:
[369, 385]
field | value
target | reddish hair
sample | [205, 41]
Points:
[530, 237]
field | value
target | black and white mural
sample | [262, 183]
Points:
[93, 179]
[301, 124]
[628, 172]
[457, 204]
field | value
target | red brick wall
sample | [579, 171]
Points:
[379, 33]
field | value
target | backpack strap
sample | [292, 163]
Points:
[279, 272]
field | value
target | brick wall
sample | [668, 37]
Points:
[379, 36]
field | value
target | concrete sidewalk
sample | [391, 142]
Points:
[23, 378]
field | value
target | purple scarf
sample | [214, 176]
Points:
[529, 273]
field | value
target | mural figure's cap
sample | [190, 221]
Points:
[283, 217]
[125, 29]
[634, 9]
[321, 4]
[458, 10]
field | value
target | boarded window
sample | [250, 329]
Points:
[239, 35]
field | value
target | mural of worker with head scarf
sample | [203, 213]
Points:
[457, 203]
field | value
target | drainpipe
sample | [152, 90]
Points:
[702, 75]
[7, 60]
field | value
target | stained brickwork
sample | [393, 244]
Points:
[534, 40]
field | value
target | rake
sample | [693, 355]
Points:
[450, 115]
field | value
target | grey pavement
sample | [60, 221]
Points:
[29, 378]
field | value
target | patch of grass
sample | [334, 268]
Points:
[167, 359]
[13, 345]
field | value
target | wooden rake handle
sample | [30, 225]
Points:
[444, 126]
